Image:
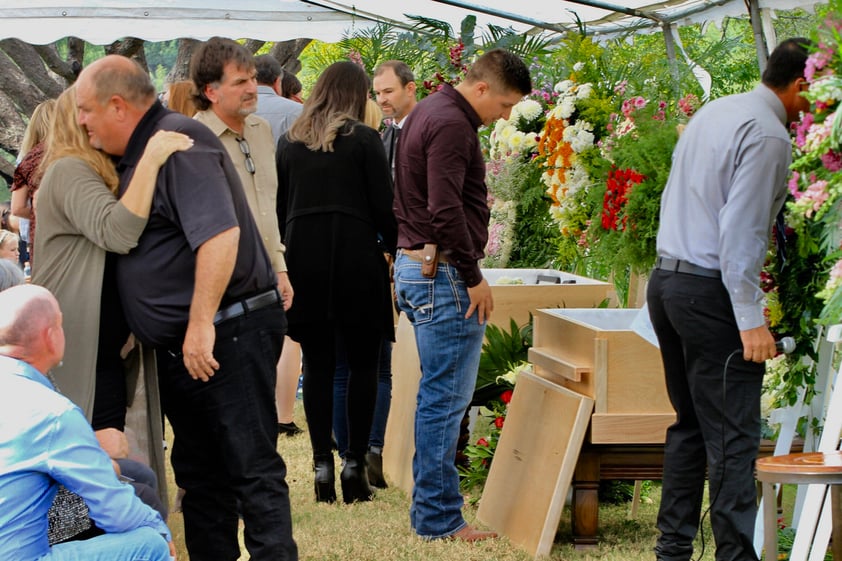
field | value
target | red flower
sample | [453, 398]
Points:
[506, 396]
[617, 188]
[498, 422]
[482, 442]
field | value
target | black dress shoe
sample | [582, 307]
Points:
[374, 459]
[354, 479]
[325, 479]
[289, 429]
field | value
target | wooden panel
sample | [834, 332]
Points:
[400, 428]
[510, 301]
[547, 359]
[534, 462]
[517, 301]
[630, 428]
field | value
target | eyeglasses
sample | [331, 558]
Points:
[244, 148]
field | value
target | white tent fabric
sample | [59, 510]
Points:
[103, 21]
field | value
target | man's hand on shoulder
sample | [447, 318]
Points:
[481, 301]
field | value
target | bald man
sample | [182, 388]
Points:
[46, 441]
[200, 289]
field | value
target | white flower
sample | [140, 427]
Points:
[564, 86]
[516, 141]
[529, 109]
[584, 91]
[578, 66]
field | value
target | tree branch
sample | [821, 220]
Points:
[63, 69]
[15, 84]
[31, 64]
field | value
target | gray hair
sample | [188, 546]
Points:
[10, 274]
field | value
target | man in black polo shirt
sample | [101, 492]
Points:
[200, 287]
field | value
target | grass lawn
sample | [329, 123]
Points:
[379, 530]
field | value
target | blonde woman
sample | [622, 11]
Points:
[27, 174]
[82, 224]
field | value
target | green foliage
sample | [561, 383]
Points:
[502, 351]
[537, 235]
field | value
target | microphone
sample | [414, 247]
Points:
[786, 345]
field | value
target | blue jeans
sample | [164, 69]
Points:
[449, 348]
[224, 451]
[381, 405]
[141, 544]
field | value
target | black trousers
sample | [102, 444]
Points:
[362, 350]
[717, 423]
[224, 451]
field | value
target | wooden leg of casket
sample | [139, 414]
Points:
[585, 508]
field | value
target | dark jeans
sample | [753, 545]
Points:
[381, 406]
[717, 420]
[318, 348]
[225, 444]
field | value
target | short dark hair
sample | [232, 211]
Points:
[208, 64]
[268, 69]
[502, 69]
[290, 84]
[400, 68]
[786, 63]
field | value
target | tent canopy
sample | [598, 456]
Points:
[104, 21]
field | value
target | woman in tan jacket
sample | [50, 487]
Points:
[82, 224]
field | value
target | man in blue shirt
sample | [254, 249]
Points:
[45, 441]
[727, 183]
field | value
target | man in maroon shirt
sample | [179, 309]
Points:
[440, 199]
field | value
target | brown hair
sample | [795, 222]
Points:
[502, 70]
[181, 97]
[338, 97]
[208, 65]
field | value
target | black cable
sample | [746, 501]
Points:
[724, 455]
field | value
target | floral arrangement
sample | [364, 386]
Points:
[566, 140]
[806, 290]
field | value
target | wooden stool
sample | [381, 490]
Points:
[812, 467]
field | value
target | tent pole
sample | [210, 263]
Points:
[505, 15]
[669, 42]
[757, 29]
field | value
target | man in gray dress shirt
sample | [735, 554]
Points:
[727, 183]
[271, 105]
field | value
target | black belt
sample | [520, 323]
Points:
[242, 307]
[679, 266]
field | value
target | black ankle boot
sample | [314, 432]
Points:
[374, 459]
[354, 479]
[325, 479]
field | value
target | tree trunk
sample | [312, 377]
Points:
[181, 68]
[287, 53]
[30, 63]
[253, 45]
[15, 84]
[130, 47]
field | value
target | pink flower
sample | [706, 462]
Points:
[620, 88]
[793, 185]
[802, 128]
[832, 160]
[817, 192]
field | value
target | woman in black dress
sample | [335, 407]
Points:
[335, 200]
